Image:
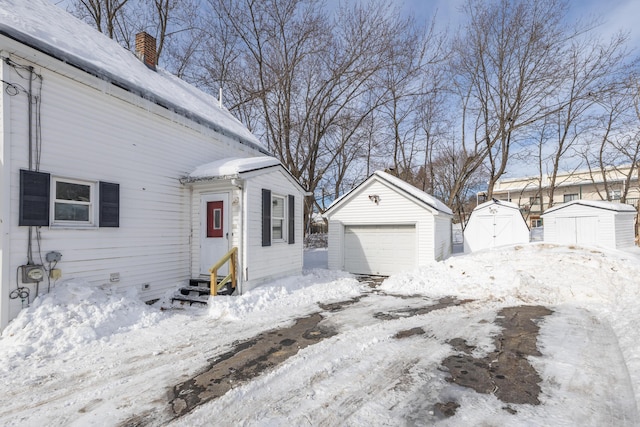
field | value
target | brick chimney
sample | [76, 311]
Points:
[146, 49]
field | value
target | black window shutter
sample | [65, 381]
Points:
[34, 198]
[266, 217]
[109, 204]
[292, 219]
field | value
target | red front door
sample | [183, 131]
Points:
[215, 218]
[214, 234]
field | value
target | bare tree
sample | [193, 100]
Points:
[171, 22]
[594, 69]
[507, 66]
[614, 151]
[310, 73]
[103, 14]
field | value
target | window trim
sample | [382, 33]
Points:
[569, 197]
[92, 222]
[535, 200]
[283, 219]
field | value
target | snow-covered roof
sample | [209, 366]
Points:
[231, 167]
[49, 29]
[600, 204]
[405, 187]
[237, 167]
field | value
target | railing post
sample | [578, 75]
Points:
[214, 282]
[234, 257]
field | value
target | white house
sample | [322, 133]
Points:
[590, 223]
[495, 223]
[385, 225]
[102, 175]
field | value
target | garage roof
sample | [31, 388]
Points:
[401, 185]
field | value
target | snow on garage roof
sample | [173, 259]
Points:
[600, 204]
[53, 31]
[401, 185]
[231, 167]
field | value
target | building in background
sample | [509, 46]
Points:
[531, 194]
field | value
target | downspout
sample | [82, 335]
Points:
[242, 255]
[30, 133]
[5, 201]
[191, 245]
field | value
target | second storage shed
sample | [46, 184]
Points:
[495, 223]
[385, 226]
[591, 223]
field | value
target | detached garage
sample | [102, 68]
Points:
[591, 223]
[385, 226]
[495, 223]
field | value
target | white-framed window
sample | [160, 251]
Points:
[73, 202]
[570, 197]
[535, 223]
[278, 218]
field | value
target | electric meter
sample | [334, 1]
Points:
[32, 273]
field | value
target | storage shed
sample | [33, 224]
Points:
[495, 223]
[591, 223]
[385, 225]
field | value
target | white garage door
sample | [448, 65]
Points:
[379, 249]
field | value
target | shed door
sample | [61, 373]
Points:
[498, 228]
[587, 230]
[577, 230]
[379, 249]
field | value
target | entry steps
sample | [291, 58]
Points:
[198, 291]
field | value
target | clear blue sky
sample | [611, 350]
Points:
[615, 14]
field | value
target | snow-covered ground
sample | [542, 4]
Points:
[86, 356]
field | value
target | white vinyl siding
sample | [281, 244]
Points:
[624, 231]
[92, 135]
[443, 241]
[264, 263]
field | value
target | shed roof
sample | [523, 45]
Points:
[504, 203]
[51, 30]
[401, 185]
[598, 204]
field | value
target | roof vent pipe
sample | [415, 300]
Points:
[146, 49]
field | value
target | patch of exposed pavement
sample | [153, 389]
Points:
[246, 361]
[417, 311]
[505, 372]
